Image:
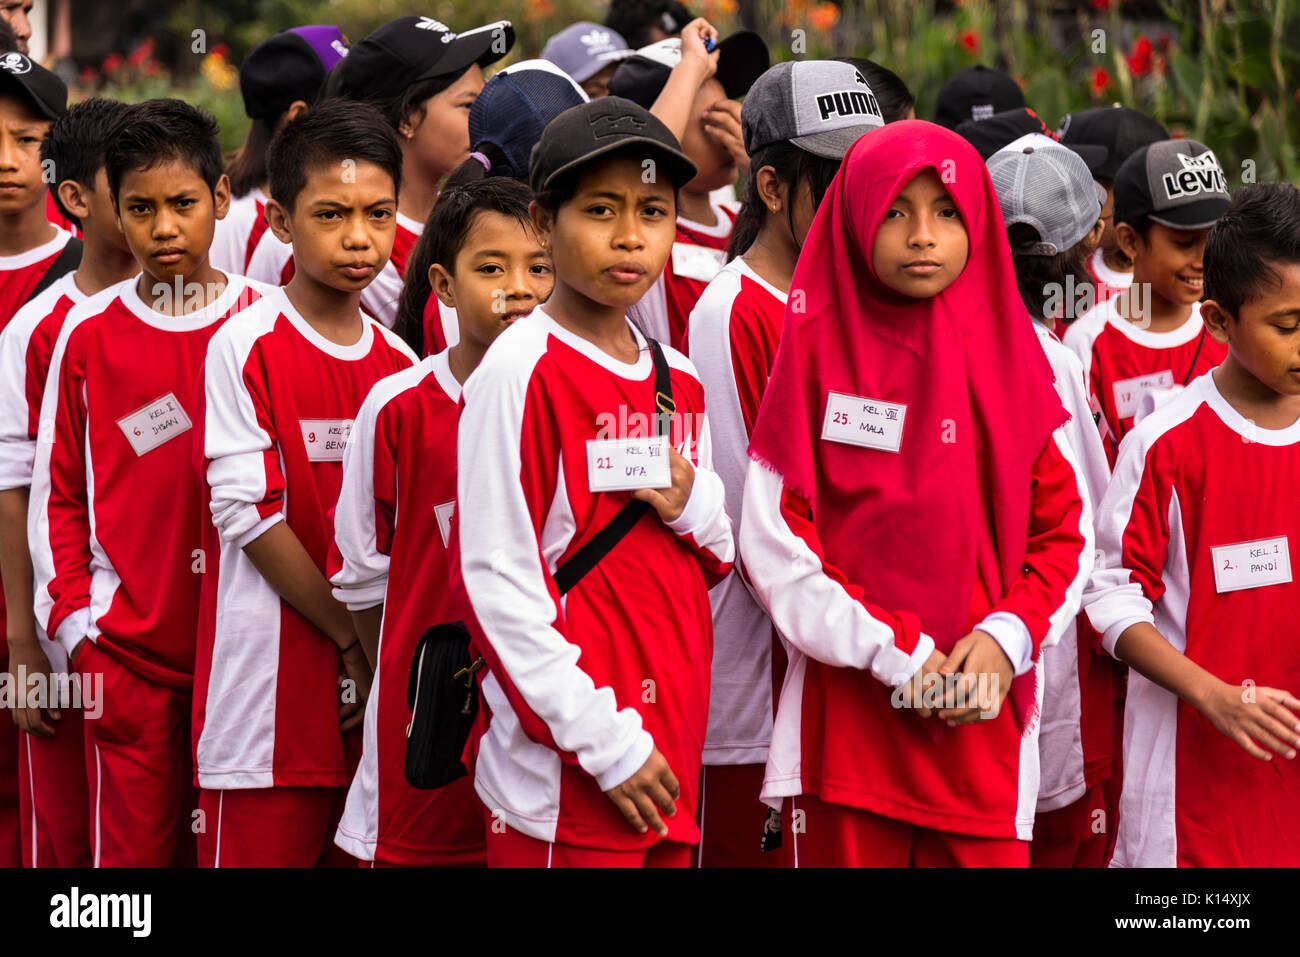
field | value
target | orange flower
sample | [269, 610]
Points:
[824, 16]
[539, 8]
[1100, 80]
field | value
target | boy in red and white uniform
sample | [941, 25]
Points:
[1195, 590]
[795, 151]
[395, 508]
[696, 94]
[116, 586]
[605, 690]
[1141, 345]
[279, 392]
[53, 774]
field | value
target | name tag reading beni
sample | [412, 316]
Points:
[870, 423]
[628, 464]
[325, 439]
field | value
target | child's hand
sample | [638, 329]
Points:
[694, 52]
[356, 668]
[669, 502]
[930, 677]
[722, 122]
[641, 797]
[29, 655]
[1266, 719]
[985, 669]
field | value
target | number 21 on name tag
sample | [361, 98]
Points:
[615, 465]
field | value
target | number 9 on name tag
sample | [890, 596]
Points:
[615, 465]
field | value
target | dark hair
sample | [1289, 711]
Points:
[473, 170]
[891, 92]
[632, 19]
[413, 98]
[1036, 273]
[77, 142]
[335, 131]
[454, 214]
[792, 166]
[564, 186]
[8, 39]
[1260, 229]
[247, 169]
[160, 131]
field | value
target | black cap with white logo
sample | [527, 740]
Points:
[742, 58]
[607, 125]
[821, 106]
[407, 50]
[976, 93]
[1112, 133]
[1176, 183]
[43, 89]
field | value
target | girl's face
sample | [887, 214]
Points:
[802, 211]
[921, 245]
[612, 238]
[440, 141]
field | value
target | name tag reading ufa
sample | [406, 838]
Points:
[869, 423]
[1129, 392]
[160, 421]
[697, 262]
[443, 514]
[615, 465]
[1251, 564]
[325, 439]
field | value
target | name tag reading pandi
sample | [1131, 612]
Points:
[325, 439]
[443, 514]
[1129, 392]
[1251, 564]
[697, 262]
[160, 421]
[869, 423]
[615, 465]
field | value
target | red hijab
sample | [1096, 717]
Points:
[913, 527]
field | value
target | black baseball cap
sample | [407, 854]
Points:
[407, 50]
[1113, 132]
[742, 59]
[976, 93]
[43, 89]
[990, 135]
[606, 125]
[289, 66]
[1176, 183]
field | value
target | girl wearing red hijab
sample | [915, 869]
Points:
[913, 519]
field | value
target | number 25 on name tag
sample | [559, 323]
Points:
[870, 423]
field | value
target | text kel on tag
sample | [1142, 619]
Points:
[149, 427]
[1129, 392]
[443, 514]
[628, 464]
[325, 439]
[1251, 564]
[869, 423]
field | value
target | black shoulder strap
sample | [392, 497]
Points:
[68, 259]
[603, 542]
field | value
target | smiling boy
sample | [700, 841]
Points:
[282, 675]
[114, 503]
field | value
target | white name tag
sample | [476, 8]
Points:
[1129, 392]
[697, 262]
[1251, 564]
[443, 514]
[158, 422]
[869, 423]
[325, 439]
[627, 464]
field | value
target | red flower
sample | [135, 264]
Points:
[87, 77]
[222, 51]
[971, 41]
[1163, 42]
[152, 67]
[1100, 80]
[112, 62]
[1139, 61]
[1100, 4]
[141, 53]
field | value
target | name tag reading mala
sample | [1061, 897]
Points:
[870, 423]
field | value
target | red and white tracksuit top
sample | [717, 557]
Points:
[580, 689]
[1195, 534]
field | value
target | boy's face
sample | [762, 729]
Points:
[1168, 259]
[93, 206]
[501, 273]
[1264, 337]
[717, 165]
[168, 215]
[342, 224]
[441, 140]
[597, 85]
[17, 13]
[1108, 241]
[612, 238]
[921, 245]
[21, 131]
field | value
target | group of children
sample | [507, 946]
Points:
[868, 592]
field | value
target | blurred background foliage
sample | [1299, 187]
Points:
[1226, 72]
